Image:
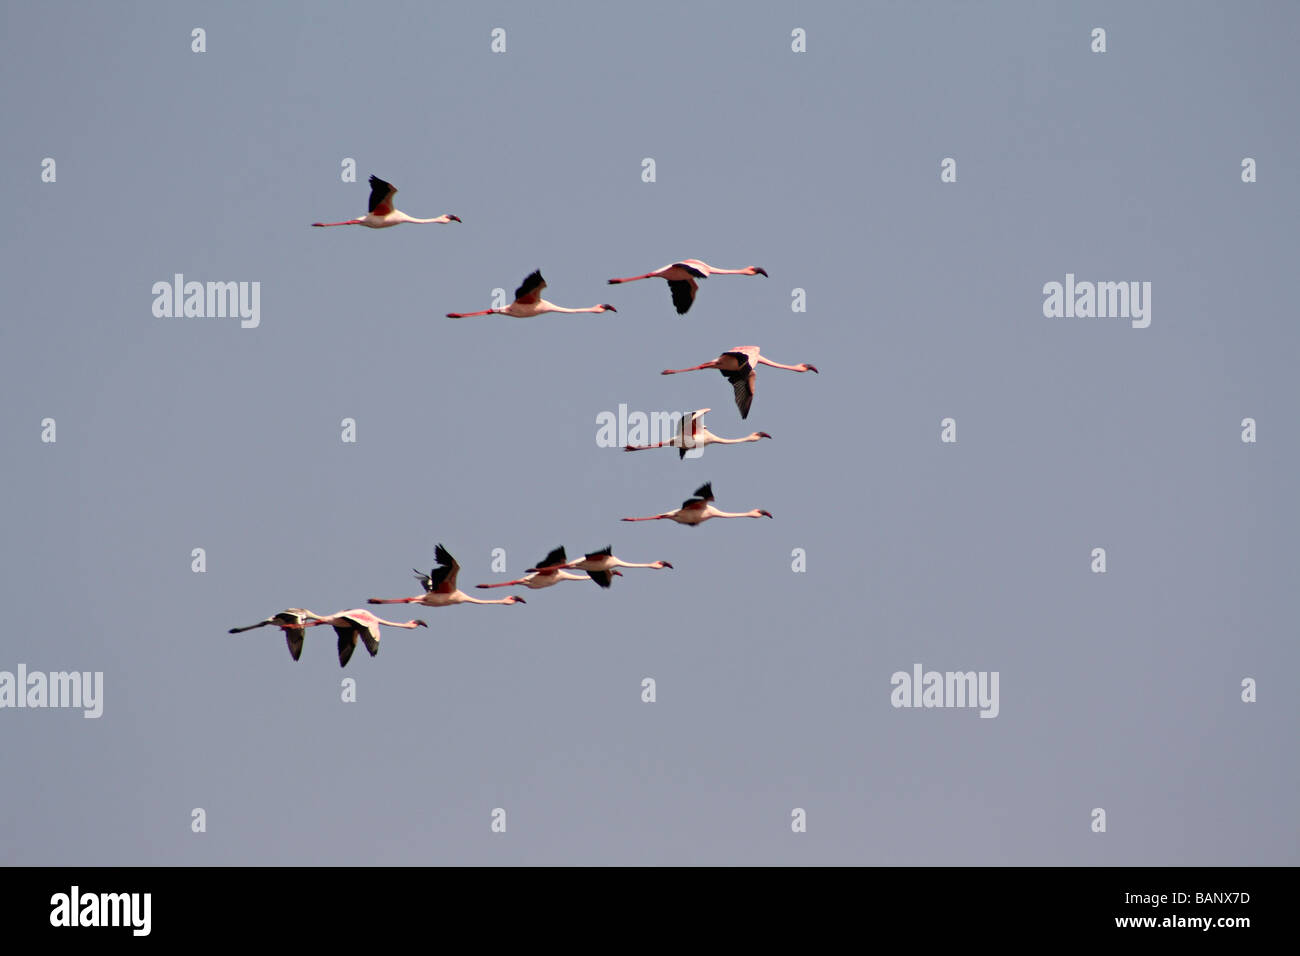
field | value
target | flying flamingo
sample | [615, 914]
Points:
[440, 587]
[382, 214]
[357, 624]
[290, 622]
[548, 573]
[529, 302]
[697, 510]
[740, 368]
[681, 278]
[691, 433]
[600, 566]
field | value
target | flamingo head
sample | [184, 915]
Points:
[665, 564]
[758, 271]
[419, 623]
[451, 218]
[515, 599]
[765, 514]
[810, 368]
[606, 307]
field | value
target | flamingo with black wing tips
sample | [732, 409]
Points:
[549, 572]
[699, 509]
[440, 587]
[601, 566]
[382, 214]
[358, 624]
[740, 367]
[529, 302]
[292, 622]
[681, 278]
[692, 433]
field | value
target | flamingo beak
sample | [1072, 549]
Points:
[421, 623]
[764, 435]
[667, 565]
[813, 368]
[765, 513]
[453, 218]
[610, 308]
[519, 600]
[760, 272]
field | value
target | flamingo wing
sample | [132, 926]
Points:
[683, 291]
[693, 267]
[347, 642]
[606, 552]
[293, 636]
[381, 196]
[603, 578]
[530, 290]
[552, 560]
[442, 579]
[743, 379]
[371, 637]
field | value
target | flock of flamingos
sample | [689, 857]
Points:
[739, 366]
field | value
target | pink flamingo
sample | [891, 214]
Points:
[357, 624]
[681, 278]
[529, 302]
[291, 622]
[740, 368]
[600, 566]
[382, 214]
[697, 510]
[691, 433]
[440, 587]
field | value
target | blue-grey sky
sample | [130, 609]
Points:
[924, 299]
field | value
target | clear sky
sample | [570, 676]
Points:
[924, 301]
